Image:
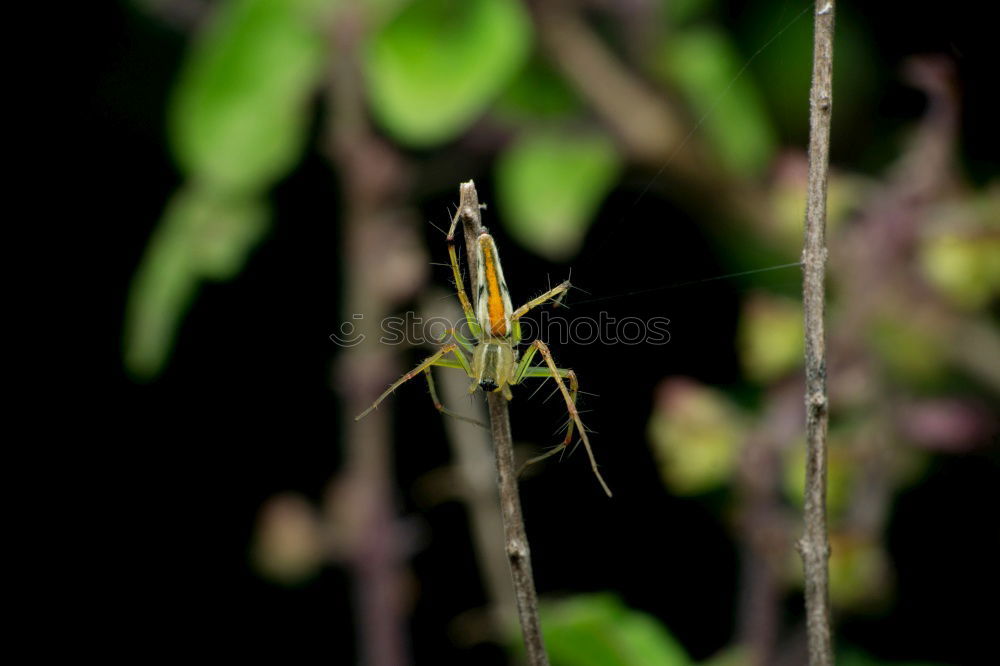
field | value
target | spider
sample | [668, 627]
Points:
[491, 360]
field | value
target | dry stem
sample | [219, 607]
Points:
[518, 552]
[814, 545]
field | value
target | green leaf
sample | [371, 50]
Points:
[200, 236]
[770, 337]
[437, 65]
[599, 630]
[705, 66]
[240, 113]
[696, 433]
[538, 91]
[238, 122]
[549, 186]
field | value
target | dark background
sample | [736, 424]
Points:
[245, 409]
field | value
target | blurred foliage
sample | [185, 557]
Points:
[537, 93]
[238, 123]
[705, 66]
[860, 575]
[696, 432]
[237, 120]
[909, 354]
[289, 546]
[549, 186]
[770, 337]
[783, 74]
[203, 235]
[599, 630]
[962, 258]
[434, 68]
[680, 12]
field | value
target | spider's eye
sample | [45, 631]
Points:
[488, 385]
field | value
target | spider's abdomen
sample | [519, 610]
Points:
[493, 308]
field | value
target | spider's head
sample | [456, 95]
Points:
[488, 385]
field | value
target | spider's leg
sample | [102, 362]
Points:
[470, 314]
[441, 408]
[556, 293]
[434, 359]
[569, 395]
[467, 345]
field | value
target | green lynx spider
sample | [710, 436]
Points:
[492, 362]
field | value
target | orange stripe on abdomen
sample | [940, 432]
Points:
[494, 300]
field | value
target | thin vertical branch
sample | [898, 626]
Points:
[814, 545]
[516, 541]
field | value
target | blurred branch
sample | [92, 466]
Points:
[384, 265]
[470, 447]
[814, 545]
[651, 129]
[763, 524]
[518, 552]
[646, 125]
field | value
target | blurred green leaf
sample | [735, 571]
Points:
[200, 236]
[696, 433]
[550, 185]
[436, 66]
[705, 66]
[909, 353]
[238, 123]
[537, 92]
[599, 630]
[962, 258]
[860, 573]
[240, 112]
[682, 11]
[770, 337]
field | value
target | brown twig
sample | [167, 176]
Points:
[814, 546]
[518, 552]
